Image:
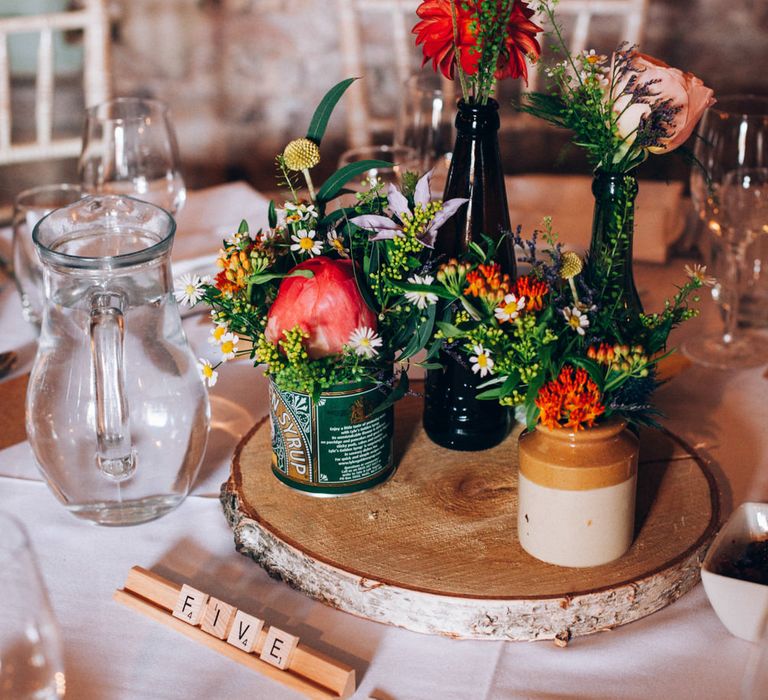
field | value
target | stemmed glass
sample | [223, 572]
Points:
[31, 666]
[733, 150]
[129, 147]
[425, 120]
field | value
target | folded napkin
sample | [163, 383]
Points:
[659, 211]
[214, 213]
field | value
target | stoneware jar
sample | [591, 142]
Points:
[576, 493]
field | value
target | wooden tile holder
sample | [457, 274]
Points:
[309, 672]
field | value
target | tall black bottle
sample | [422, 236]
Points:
[453, 418]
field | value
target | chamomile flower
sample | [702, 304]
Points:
[304, 243]
[481, 361]
[217, 332]
[699, 273]
[421, 299]
[337, 243]
[364, 341]
[510, 308]
[207, 372]
[188, 289]
[228, 346]
[576, 319]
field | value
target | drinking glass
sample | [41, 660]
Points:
[117, 413]
[425, 120]
[403, 158]
[29, 207]
[31, 659]
[129, 147]
[733, 203]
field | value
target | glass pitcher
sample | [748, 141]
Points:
[117, 414]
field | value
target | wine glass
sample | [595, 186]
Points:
[425, 120]
[129, 147]
[29, 207]
[732, 200]
[31, 666]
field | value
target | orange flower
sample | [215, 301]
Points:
[570, 401]
[488, 282]
[533, 290]
[235, 267]
[603, 354]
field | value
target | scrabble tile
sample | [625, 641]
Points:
[217, 618]
[190, 605]
[244, 632]
[278, 647]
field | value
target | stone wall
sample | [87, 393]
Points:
[242, 76]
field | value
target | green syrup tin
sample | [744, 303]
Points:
[332, 445]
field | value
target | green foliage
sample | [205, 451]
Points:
[324, 110]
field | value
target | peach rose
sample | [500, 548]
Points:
[684, 91]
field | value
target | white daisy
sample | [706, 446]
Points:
[188, 289]
[217, 332]
[481, 361]
[576, 319]
[699, 272]
[421, 299]
[304, 242]
[510, 308]
[364, 341]
[337, 243]
[228, 346]
[207, 372]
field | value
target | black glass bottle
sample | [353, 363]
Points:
[453, 418]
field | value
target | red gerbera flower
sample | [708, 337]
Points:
[519, 43]
[435, 31]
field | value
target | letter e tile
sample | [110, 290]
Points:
[244, 632]
[278, 647]
[217, 618]
[190, 605]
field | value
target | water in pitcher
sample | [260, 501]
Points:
[117, 412]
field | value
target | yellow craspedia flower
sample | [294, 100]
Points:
[570, 265]
[301, 154]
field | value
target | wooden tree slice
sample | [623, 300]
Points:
[435, 549]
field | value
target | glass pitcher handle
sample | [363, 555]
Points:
[115, 457]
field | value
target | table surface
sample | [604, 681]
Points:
[112, 653]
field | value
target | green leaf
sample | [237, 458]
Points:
[423, 333]
[449, 330]
[243, 228]
[269, 276]
[323, 112]
[439, 291]
[332, 187]
[272, 214]
[363, 288]
[429, 365]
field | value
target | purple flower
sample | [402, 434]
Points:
[424, 222]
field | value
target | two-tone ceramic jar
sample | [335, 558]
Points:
[576, 493]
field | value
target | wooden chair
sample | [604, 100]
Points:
[397, 17]
[92, 21]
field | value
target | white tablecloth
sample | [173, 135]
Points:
[112, 653]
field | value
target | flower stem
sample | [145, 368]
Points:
[456, 57]
[310, 187]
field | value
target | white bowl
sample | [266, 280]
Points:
[742, 606]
